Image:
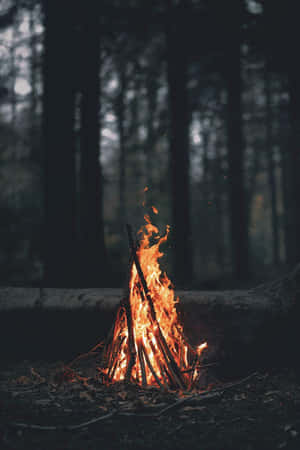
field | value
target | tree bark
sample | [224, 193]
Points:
[58, 130]
[177, 62]
[271, 168]
[152, 88]
[33, 95]
[134, 122]
[236, 172]
[219, 204]
[120, 114]
[93, 251]
[294, 165]
[13, 69]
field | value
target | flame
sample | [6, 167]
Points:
[151, 365]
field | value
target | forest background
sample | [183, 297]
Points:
[199, 100]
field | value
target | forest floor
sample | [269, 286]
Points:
[41, 409]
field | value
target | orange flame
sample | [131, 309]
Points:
[149, 364]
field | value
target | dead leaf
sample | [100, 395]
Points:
[37, 376]
[86, 396]
[102, 407]
[23, 380]
[123, 395]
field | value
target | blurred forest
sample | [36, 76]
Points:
[199, 100]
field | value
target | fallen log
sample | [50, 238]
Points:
[245, 330]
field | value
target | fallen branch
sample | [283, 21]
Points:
[62, 428]
[202, 397]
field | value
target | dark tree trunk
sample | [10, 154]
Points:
[33, 95]
[94, 258]
[286, 201]
[13, 99]
[205, 164]
[271, 168]
[7, 18]
[218, 199]
[120, 114]
[204, 190]
[294, 165]
[177, 61]
[134, 125]
[236, 173]
[58, 127]
[151, 110]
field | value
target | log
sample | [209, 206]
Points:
[245, 330]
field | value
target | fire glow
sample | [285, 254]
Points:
[147, 345]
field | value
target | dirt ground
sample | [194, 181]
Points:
[44, 407]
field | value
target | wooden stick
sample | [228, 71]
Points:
[181, 365]
[161, 367]
[131, 345]
[114, 358]
[193, 368]
[111, 377]
[159, 336]
[142, 364]
[176, 380]
[107, 345]
[110, 354]
[150, 366]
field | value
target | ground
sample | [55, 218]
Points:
[43, 407]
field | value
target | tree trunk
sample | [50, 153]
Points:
[286, 201]
[13, 69]
[93, 256]
[218, 200]
[134, 126]
[177, 62]
[244, 330]
[120, 114]
[271, 169]
[58, 129]
[152, 87]
[33, 95]
[236, 172]
[294, 164]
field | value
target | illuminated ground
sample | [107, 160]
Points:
[260, 412]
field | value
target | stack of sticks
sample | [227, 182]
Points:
[172, 374]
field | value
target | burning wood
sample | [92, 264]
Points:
[147, 345]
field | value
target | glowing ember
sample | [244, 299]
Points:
[147, 345]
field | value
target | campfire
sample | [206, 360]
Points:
[146, 344]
